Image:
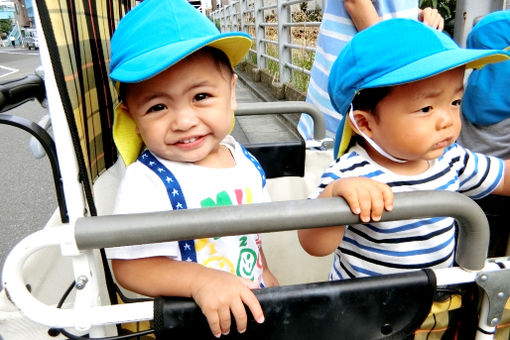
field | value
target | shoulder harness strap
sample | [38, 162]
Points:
[256, 164]
[175, 195]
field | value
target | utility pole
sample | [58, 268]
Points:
[468, 12]
[20, 13]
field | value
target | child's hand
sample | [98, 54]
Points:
[366, 197]
[431, 17]
[269, 279]
[219, 293]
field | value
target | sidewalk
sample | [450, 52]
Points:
[264, 129]
[7, 46]
[17, 50]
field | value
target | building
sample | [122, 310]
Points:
[6, 10]
[20, 14]
[29, 9]
[20, 11]
[16, 11]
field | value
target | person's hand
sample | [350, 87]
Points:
[269, 279]
[431, 17]
[219, 293]
[366, 197]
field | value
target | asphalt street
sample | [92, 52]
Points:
[27, 194]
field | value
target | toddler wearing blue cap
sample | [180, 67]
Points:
[400, 83]
[486, 116]
[177, 86]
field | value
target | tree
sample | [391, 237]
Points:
[5, 26]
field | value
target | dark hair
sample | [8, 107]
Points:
[122, 92]
[219, 57]
[367, 99]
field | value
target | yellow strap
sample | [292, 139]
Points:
[346, 138]
[453, 302]
[437, 321]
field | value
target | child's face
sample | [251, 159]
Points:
[183, 113]
[417, 121]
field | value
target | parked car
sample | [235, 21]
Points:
[31, 40]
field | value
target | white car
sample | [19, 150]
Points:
[31, 39]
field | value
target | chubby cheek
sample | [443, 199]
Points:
[152, 136]
[457, 126]
[418, 136]
[395, 132]
[411, 137]
[223, 125]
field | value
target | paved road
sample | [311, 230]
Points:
[27, 195]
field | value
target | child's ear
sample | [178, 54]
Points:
[125, 109]
[364, 120]
[233, 100]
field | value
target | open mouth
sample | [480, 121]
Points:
[188, 140]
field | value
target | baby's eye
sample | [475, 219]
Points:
[201, 96]
[426, 109]
[157, 107]
[457, 102]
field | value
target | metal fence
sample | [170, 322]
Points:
[284, 32]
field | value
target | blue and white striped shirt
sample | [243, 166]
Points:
[335, 31]
[390, 247]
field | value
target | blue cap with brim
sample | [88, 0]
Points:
[394, 52]
[492, 32]
[486, 101]
[151, 38]
[159, 33]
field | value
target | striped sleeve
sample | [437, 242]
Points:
[480, 174]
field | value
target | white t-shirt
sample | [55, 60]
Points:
[142, 190]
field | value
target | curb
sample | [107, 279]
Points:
[256, 88]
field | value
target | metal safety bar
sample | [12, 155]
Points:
[122, 230]
[264, 108]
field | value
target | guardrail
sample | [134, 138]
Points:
[284, 39]
[273, 25]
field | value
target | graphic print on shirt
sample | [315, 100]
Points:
[247, 258]
[238, 255]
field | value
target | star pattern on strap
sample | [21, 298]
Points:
[187, 247]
